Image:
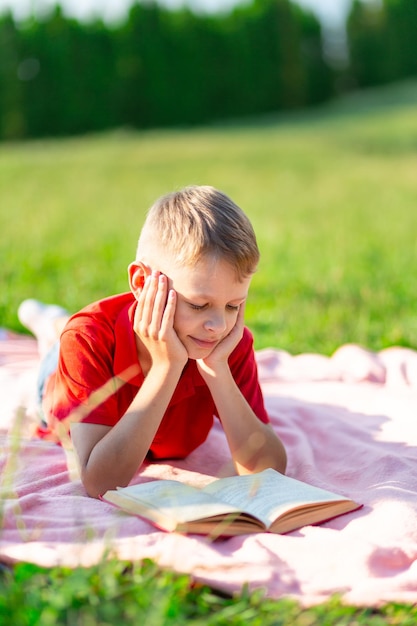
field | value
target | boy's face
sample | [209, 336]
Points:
[208, 299]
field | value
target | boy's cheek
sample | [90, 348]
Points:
[178, 323]
[182, 314]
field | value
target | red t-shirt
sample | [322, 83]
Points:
[98, 376]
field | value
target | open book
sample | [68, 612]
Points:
[264, 502]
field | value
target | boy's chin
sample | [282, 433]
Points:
[192, 356]
[195, 354]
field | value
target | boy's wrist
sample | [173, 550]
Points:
[219, 369]
[166, 369]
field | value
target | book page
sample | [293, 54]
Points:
[268, 494]
[174, 500]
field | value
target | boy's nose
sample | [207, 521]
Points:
[216, 323]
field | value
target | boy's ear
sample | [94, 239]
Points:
[138, 273]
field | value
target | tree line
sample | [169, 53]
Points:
[160, 67]
[382, 41]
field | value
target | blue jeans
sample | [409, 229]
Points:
[47, 367]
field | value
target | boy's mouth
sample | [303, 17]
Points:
[203, 343]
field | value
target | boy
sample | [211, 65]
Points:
[140, 375]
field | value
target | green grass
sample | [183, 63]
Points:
[114, 593]
[332, 194]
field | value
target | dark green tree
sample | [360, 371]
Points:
[367, 33]
[318, 76]
[401, 24]
[12, 74]
[72, 89]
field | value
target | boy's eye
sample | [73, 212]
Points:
[198, 307]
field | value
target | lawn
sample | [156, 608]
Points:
[332, 194]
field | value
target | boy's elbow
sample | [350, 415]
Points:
[274, 457]
[96, 488]
[280, 459]
[281, 466]
[90, 485]
[83, 473]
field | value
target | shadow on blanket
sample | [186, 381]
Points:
[349, 425]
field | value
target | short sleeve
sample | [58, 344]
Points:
[85, 387]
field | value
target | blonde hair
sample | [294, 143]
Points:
[196, 222]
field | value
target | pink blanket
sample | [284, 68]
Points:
[349, 424]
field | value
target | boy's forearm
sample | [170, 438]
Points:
[116, 457]
[253, 445]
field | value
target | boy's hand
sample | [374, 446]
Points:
[154, 321]
[219, 356]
